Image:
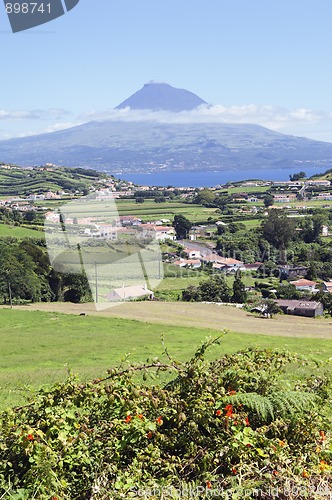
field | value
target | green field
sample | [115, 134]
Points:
[150, 210]
[39, 347]
[19, 232]
[20, 181]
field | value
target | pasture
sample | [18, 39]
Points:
[19, 232]
[40, 343]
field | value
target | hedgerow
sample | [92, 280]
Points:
[243, 426]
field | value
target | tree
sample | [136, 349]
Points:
[298, 176]
[182, 226]
[239, 291]
[77, 288]
[268, 200]
[312, 229]
[269, 307]
[18, 279]
[215, 290]
[205, 197]
[288, 291]
[191, 294]
[278, 229]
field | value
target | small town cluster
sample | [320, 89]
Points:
[270, 239]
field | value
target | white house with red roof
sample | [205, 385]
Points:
[304, 285]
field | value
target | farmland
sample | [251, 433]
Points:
[41, 342]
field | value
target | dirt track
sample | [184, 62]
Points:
[202, 316]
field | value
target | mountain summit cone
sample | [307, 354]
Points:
[161, 96]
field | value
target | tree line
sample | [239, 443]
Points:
[27, 275]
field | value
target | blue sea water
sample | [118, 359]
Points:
[210, 179]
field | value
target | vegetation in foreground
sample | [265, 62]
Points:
[230, 426]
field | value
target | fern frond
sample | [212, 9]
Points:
[289, 402]
[258, 404]
[266, 407]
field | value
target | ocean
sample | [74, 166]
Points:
[212, 178]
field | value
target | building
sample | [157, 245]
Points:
[160, 233]
[327, 286]
[292, 271]
[306, 308]
[129, 293]
[194, 263]
[251, 267]
[319, 182]
[192, 254]
[304, 285]
[224, 261]
[284, 198]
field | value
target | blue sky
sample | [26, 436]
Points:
[258, 61]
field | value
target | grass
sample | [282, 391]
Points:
[19, 232]
[150, 210]
[39, 347]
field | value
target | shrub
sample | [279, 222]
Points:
[228, 425]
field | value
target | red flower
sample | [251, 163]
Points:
[140, 416]
[127, 419]
[246, 422]
[159, 420]
[30, 437]
[149, 435]
[232, 393]
[249, 445]
[275, 472]
[322, 436]
[218, 413]
[234, 470]
[229, 410]
[208, 485]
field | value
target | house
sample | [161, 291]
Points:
[160, 233]
[129, 293]
[325, 230]
[194, 263]
[327, 286]
[304, 285]
[292, 271]
[224, 261]
[319, 182]
[251, 267]
[307, 308]
[284, 198]
[192, 254]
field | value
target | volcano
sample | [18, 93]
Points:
[159, 96]
[141, 142]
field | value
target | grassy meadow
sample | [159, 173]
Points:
[39, 347]
[19, 232]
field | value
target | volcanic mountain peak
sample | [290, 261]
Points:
[162, 96]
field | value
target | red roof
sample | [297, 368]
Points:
[303, 282]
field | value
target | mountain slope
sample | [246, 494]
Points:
[147, 147]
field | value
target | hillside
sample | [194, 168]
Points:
[18, 181]
[152, 147]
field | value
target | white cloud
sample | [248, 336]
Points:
[301, 121]
[35, 114]
[268, 116]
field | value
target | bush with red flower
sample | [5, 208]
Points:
[236, 423]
